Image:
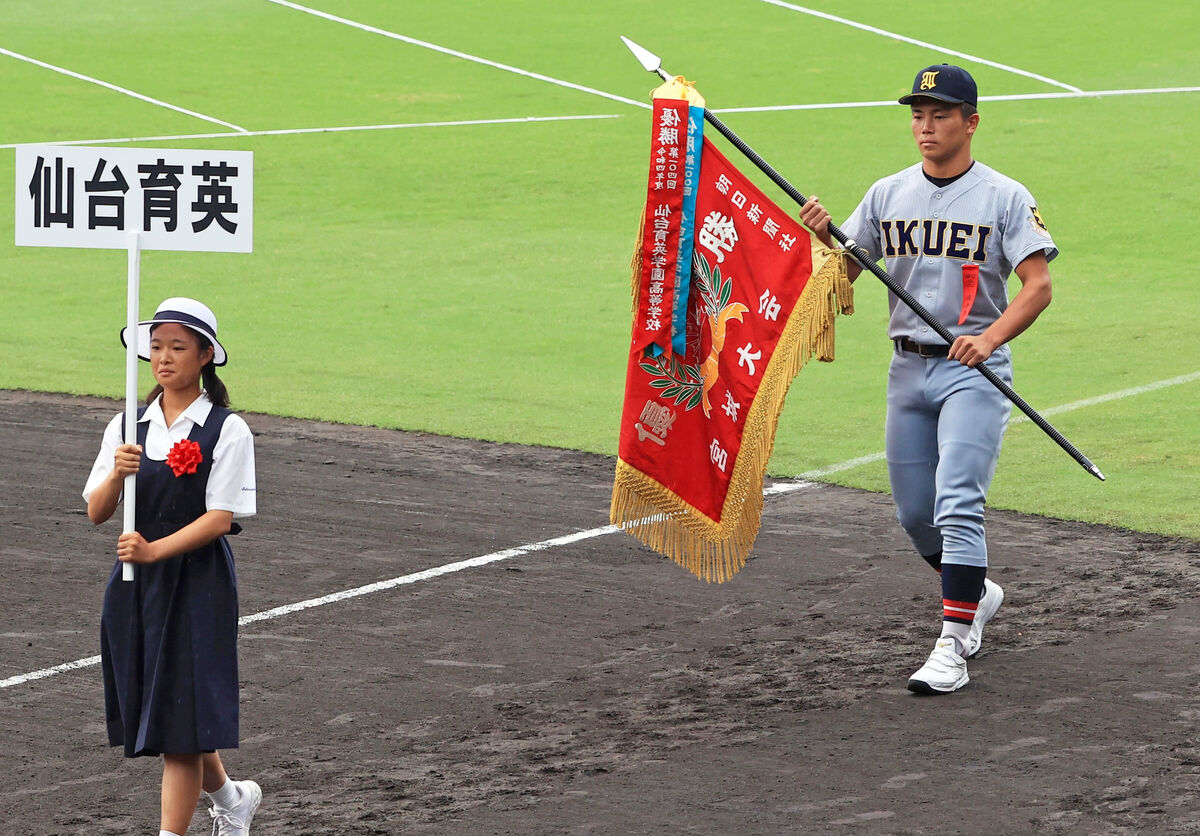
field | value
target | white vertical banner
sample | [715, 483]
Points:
[134, 199]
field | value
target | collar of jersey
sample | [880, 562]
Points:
[947, 181]
[197, 410]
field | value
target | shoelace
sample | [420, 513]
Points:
[223, 819]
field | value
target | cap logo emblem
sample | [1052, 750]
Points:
[929, 80]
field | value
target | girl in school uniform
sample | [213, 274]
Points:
[169, 637]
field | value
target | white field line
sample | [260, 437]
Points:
[118, 89]
[447, 51]
[346, 594]
[786, 487]
[567, 539]
[941, 49]
[1088, 94]
[1114, 396]
[427, 574]
[830, 469]
[519, 119]
[46, 672]
[1016, 97]
[289, 131]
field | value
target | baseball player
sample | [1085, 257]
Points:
[951, 230]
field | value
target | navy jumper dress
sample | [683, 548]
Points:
[168, 639]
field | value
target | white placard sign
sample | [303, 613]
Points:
[134, 199]
[91, 196]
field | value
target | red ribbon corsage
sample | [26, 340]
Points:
[184, 457]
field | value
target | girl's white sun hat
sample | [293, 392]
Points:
[187, 312]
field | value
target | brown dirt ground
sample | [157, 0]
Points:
[595, 687]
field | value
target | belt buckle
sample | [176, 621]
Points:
[926, 351]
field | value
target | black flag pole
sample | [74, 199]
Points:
[653, 64]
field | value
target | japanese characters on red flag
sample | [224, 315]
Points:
[665, 253]
[661, 227]
[697, 428]
[91, 196]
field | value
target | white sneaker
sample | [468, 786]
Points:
[945, 670]
[993, 597]
[236, 821]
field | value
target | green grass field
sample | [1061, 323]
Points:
[473, 280]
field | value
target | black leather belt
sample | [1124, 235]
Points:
[905, 344]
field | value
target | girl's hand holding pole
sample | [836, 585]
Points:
[126, 460]
[133, 548]
[104, 499]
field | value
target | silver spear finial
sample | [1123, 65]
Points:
[646, 58]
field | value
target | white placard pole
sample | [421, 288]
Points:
[131, 375]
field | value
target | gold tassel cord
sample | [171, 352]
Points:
[658, 517]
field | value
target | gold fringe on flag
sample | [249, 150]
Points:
[658, 517]
[635, 265]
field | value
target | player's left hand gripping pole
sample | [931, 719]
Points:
[653, 64]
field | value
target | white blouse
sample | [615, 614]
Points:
[231, 485]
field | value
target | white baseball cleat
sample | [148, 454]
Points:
[945, 671]
[993, 597]
[236, 821]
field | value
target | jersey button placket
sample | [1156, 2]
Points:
[936, 196]
[932, 278]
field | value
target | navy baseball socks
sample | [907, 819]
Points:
[990, 600]
[969, 601]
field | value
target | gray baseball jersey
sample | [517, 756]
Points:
[928, 233]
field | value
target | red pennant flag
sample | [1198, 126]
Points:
[970, 276]
[697, 430]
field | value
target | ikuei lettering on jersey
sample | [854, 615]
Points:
[935, 238]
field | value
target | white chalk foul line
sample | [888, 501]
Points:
[914, 41]
[529, 119]
[454, 52]
[567, 539]
[116, 88]
[333, 130]
[1091, 94]
[427, 574]
[1015, 97]
[45, 672]
[344, 595]
[1115, 396]
[787, 487]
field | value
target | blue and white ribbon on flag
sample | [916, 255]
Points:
[683, 266]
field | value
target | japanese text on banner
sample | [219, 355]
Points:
[661, 230]
[94, 197]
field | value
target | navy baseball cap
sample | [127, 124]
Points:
[946, 83]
